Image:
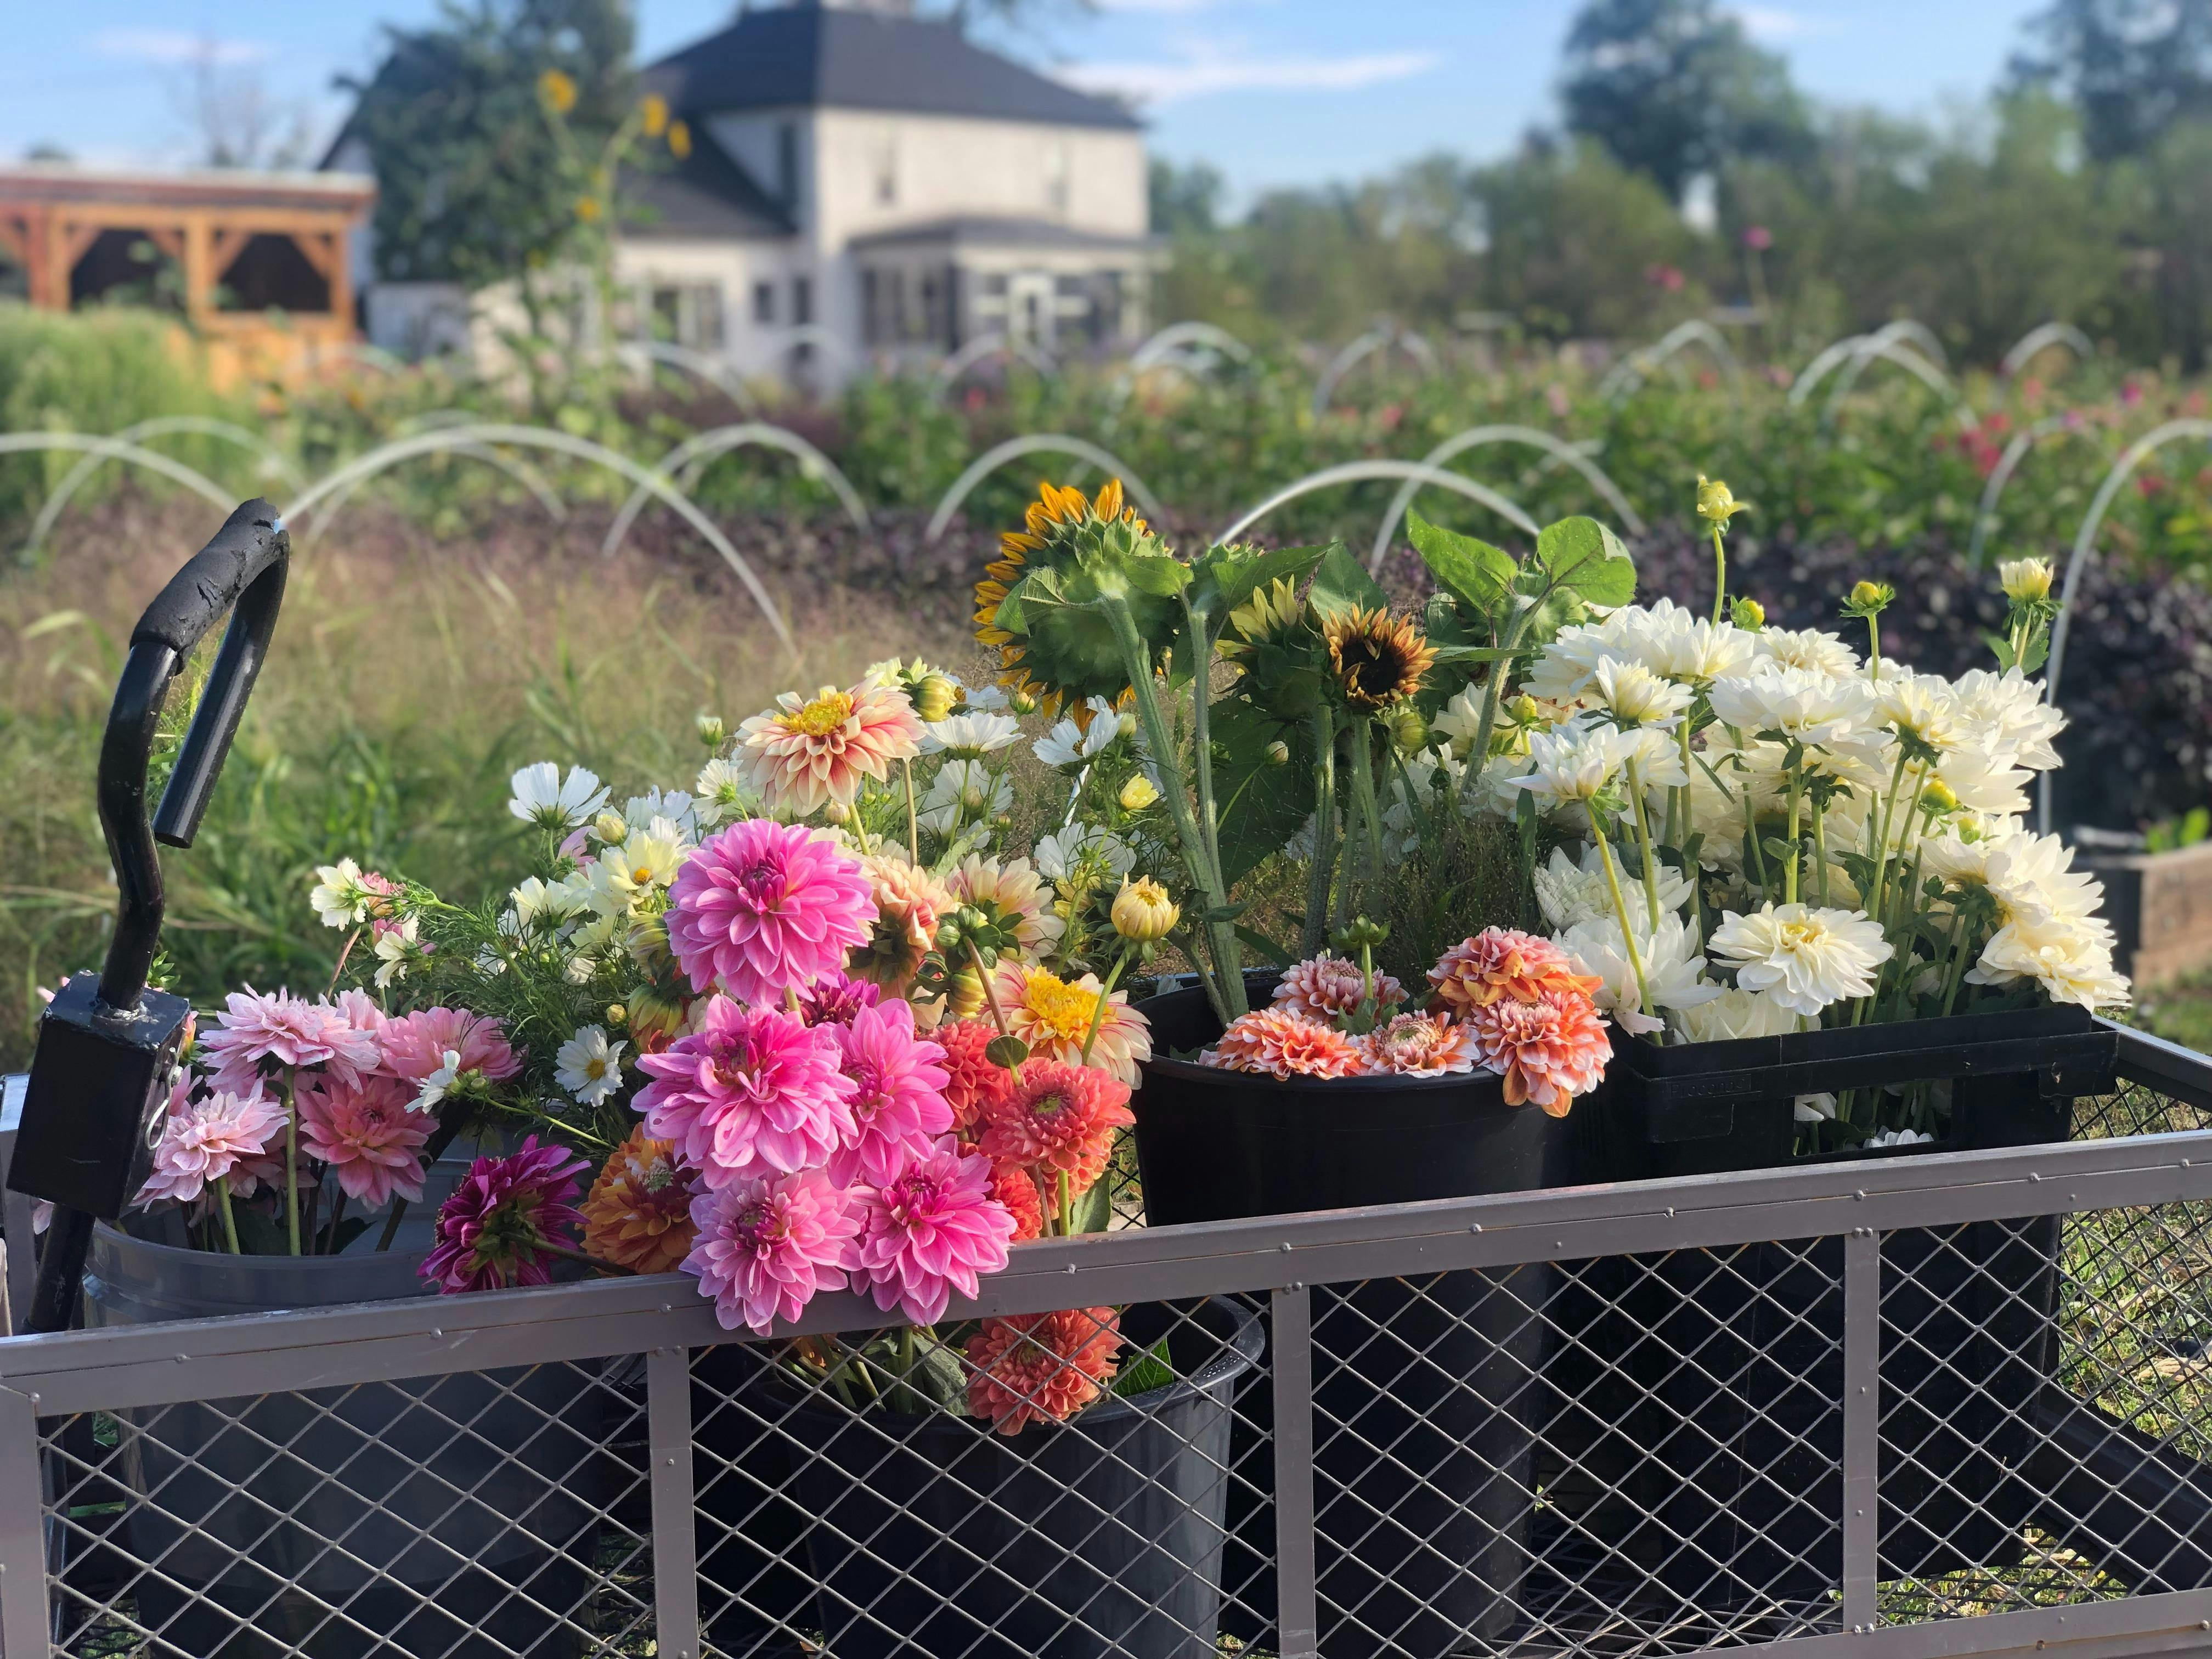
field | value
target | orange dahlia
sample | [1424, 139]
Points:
[1017, 1189]
[1499, 963]
[978, 1083]
[639, 1213]
[1059, 1118]
[807, 752]
[1054, 1016]
[1286, 1045]
[1421, 1045]
[1055, 512]
[1549, 1050]
[1041, 1368]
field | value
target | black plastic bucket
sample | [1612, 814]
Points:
[756, 1599]
[1100, 1538]
[1425, 1391]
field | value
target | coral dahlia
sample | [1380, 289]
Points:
[934, 1230]
[898, 1095]
[1041, 1368]
[975, 1083]
[1286, 1045]
[1500, 963]
[1054, 1016]
[766, 908]
[1421, 1045]
[1058, 1118]
[805, 753]
[1017, 1189]
[1327, 986]
[753, 1091]
[1549, 1050]
[638, 1213]
[765, 1246]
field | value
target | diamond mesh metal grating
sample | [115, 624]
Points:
[1635, 1420]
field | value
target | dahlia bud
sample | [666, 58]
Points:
[1126, 726]
[837, 812]
[2025, 582]
[1279, 753]
[1869, 598]
[1361, 933]
[1523, 710]
[935, 695]
[647, 943]
[1408, 730]
[1749, 615]
[1138, 794]
[963, 994]
[611, 828]
[650, 1014]
[710, 729]
[1143, 912]
[618, 1016]
[1022, 702]
[1716, 504]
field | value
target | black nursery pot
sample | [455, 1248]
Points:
[1739, 1353]
[1422, 1551]
[933, 1536]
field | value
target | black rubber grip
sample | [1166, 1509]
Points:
[250, 541]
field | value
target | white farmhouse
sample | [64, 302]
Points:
[864, 184]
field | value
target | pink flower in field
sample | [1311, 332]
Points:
[753, 1091]
[1421, 1045]
[1325, 987]
[934, 1230]
[898, 1099]
[1549, 1050]
[370, 1136]
[259, 1033]
[765, 1246]
[416, 1045]
[204, 1140]
[494, 1230]
[836, 999]
[766, 908]
[804, 753]
[1758, 237]
[1279, 1044]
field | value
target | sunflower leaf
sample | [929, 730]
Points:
[1341, 585]
[1582, 555]
[1477, 575]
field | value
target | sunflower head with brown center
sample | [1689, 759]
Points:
[1376, 659]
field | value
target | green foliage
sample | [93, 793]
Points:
[2134, 70]
[2171, 835]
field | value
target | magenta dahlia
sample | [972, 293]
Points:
[765, 1246]
[934, 1230]
[766, 908]
[753, 1091]
[508, 1218]
[898, 1100]
[834, 999]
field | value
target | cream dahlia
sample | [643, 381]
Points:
[1806, 958]
[1054, 1016]
[808, 752]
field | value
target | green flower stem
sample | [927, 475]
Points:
[1643, 848]
[1720, 574]
[1790, 871]
[1821, 845]
[912, 818]
[1621, 909]
[1066, 1206]
[1098, 1013]
[1316, 932]
[331, 1228]
[222, 1208]
[292, 1159]
[1225, 985]
[1880, 823]
[1492, 687]
[1874, 645]
[1201, 738]
[1369, 859]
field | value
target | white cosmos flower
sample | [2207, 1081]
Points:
[541, 796]
[396, 948]
[964, 792]
[1572, 765]
[721, 793]
[680, 811]
[2006, 714]
[1060, 855]
[1813, 649]
[1637, 697]
[971, 735]
[1569, 892]
[1806, 956]
[984, 699]
[1816, 709]
[340, 898]
[533, 899]
[646, 861]
[1674, 968]
[439, 1083]
[589, 1067]
[1069, 744]
[1736, 1012]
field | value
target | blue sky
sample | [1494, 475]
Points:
[1272, 91]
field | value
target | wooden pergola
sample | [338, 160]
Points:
[213, 225]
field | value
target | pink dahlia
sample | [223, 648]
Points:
[898, 1099]
[261, 1033]
[370, 1136]
[1548, 1051]
[753, 1091]
[416, 1045]
[805, 753]
[974, 1083]
[766, 1245]
[1325, 987]
[1499, 963]
[205, 1139]
[1061, 1119]
[360, 1010]
[834, 999]
[1284, 1045]
[1421, 1045]
[1041, 1368]
[766, 908]
[932, 1231]
[508, 1218]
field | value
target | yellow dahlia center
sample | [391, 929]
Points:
[1064, 1010]
[1796, 935]
[826, 714]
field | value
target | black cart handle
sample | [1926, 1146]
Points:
[241, 570]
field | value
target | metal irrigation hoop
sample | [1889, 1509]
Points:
[1363, 471]
[1475, 437]
[205, 426]
[1374, 340]
[1052, 443]
[2040, 338]
[694, 453]
[2001, 475]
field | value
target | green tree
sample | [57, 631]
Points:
[471, 187]
[2134, 68]
[1185, 200]
[1673, 88]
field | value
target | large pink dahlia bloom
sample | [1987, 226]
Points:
[753, 1091]
[898, 1099]
[416, 1045]
[370, 1136]
[260, 1033]
[204, 1140]
[766, 908]
[934, 1230]
[765, 1246]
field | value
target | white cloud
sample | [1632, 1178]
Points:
[174, 48]
[1160, 6]
[1772, 26]
[1150, 83]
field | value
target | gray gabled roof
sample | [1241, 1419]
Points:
[817, 55]
[705, 195]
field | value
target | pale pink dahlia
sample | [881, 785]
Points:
[1548, 1051]
[898, 1099]
[1284, 1045]
[370, 1136]
[805, 753]
[1059, 1118]
[1421, 1045]
[205, 1139]
[1327, 986]
[259, 1034]
[932, 1231]
[753, 1091]
[1499, 963]
[1041, 1368]
[360, 1009]
[416, 1045]
[497, 1229]
[766, 908]
[765, 1246]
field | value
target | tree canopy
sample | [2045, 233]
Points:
[2136, 69]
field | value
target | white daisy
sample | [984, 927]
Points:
[340, 898]
[1069, 744]
[1806, 956]
[544, 797]
[720, 792]
[589, 1067]
[983, 699]
[971, 735]
[1098, 853]
[964, 792]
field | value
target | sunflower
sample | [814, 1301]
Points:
[1051, 522]
[1266, 618]
[1376, 657]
